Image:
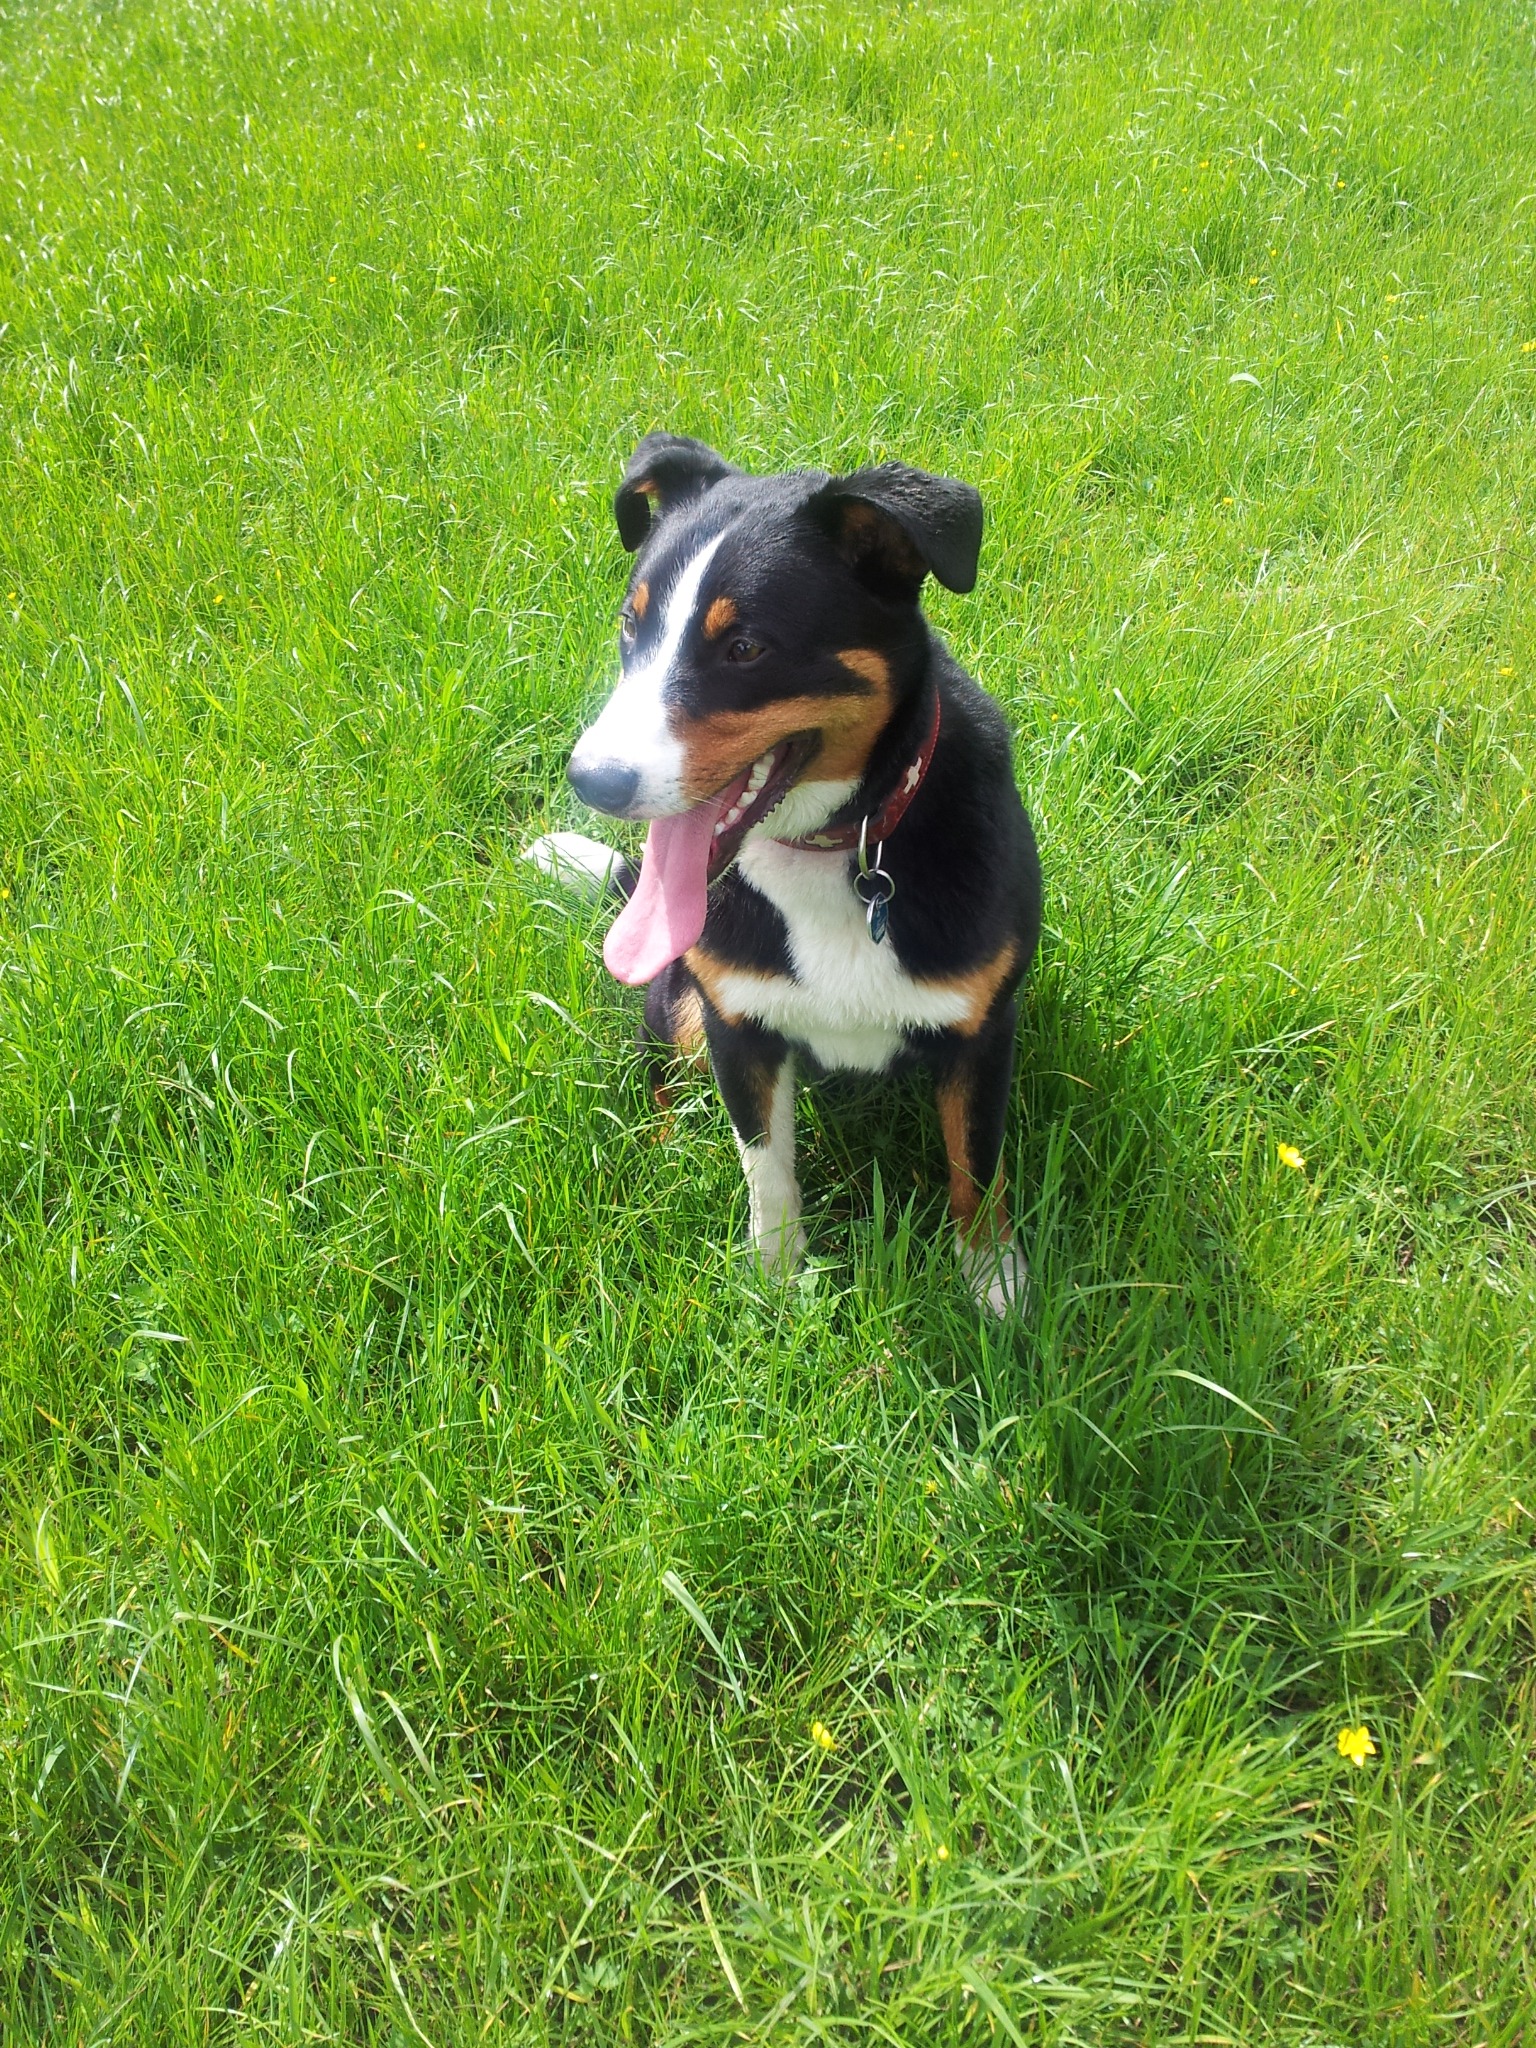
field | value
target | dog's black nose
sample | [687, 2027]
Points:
[605, 785]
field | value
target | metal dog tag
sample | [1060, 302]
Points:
[874, 887]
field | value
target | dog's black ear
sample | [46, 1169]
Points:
[895, 524]
[664, 469]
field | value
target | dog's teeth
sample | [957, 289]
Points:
[759, 774]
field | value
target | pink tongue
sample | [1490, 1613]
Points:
[665, 915]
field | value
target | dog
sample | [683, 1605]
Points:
[839, 871]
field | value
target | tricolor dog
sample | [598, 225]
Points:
[838, 872]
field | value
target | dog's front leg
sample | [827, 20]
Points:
[755, 1070]
[973, 1088]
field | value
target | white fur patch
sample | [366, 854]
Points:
[632, 728]
[773, 1192]
[805, 808]
[996, 1275]
[850, 1001]
[576, 861]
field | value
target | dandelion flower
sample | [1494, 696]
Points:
[1290, 1157]
[822, 1735]
[942, 1852]
[1356, 1744]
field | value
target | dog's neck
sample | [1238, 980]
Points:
[894, 747]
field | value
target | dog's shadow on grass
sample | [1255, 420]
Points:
[1157, 1381]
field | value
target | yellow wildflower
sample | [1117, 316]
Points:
[822, 1735]
[1528, 348]
[942, 1852]
[1356, 1744]
[1290, 1157]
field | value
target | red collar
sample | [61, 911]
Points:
[877, 825]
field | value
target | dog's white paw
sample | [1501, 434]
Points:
[997, 1276]
[577, 862]
[779, 1252]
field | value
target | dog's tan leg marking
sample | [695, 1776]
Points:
[707, 972]
[710, 974]
[979, 986]
[974, 1215]
[688, 1022]
[994, 1268]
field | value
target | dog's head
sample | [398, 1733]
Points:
[770, 629]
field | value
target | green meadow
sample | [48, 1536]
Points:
[447, 1596]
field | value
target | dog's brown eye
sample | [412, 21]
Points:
[628, 627]
[743, 650]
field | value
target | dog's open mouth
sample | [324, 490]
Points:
[684, 854]
[753, 795]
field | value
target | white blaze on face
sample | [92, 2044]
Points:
[632, 730]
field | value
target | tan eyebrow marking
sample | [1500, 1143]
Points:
[722, 613]
[863, 661]
[640, 600]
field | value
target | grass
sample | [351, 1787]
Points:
[426, 1547]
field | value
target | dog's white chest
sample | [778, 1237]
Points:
[849, 1000]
